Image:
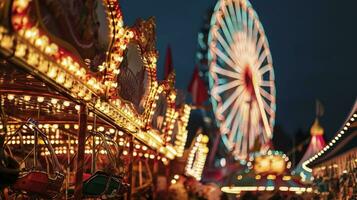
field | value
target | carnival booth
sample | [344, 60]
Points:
[82, 111]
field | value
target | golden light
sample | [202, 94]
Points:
[66, 103]
[54, 101]
[271, 177]
[269, 164]
[27, 98]
[286, 178]
[10, 96]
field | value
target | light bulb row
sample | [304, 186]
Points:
[197, 157]
[181, 136]
[331, 144]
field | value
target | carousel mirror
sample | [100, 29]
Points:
[133, 80]
[160, 112]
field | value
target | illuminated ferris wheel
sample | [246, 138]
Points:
[241, 77]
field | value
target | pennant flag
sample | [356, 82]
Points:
[319, 108]
[168, 68]
[197, 88]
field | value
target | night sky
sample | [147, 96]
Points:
[313, 44]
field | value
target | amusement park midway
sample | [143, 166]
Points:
[166, 100]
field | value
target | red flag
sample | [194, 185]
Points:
[197, 88]
[168, 63]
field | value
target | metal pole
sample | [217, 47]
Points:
[214, 149]
[35, 150]
[80, 151]
[155, 174]
[93, 144]
[68, 164]
[130, 178]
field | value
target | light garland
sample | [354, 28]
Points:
[197, 157]
[181, 136]
[237, 190]
[331, 144]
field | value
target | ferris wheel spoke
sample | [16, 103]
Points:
[255, 32]
[235, 110]
[260, 44]
[266, 95]
[238, 15]
[262, 135]
[265, 68]
[262, 112]
[218, 69]
[227, 86]
[228, 19]
[244, 19]
[234, 130]
[250, 25]
[227, 60]
[242, 130]
[238, 51]
[231, 98]
[261, 59]
[253, 123]
[267, 108]
[225, 46]
[266, 84]
[224, 28]
[235, 113]
[232, 14]
[245, 130]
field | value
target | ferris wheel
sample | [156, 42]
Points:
[241, 77]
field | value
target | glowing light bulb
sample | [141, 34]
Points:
[40, 99]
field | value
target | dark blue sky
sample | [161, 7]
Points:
[313, 44]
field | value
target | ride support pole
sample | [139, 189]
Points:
[131, 164]
[155, 174]
[83, 115]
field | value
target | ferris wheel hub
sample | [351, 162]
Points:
[248, 80]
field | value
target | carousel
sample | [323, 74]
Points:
[83, 115]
